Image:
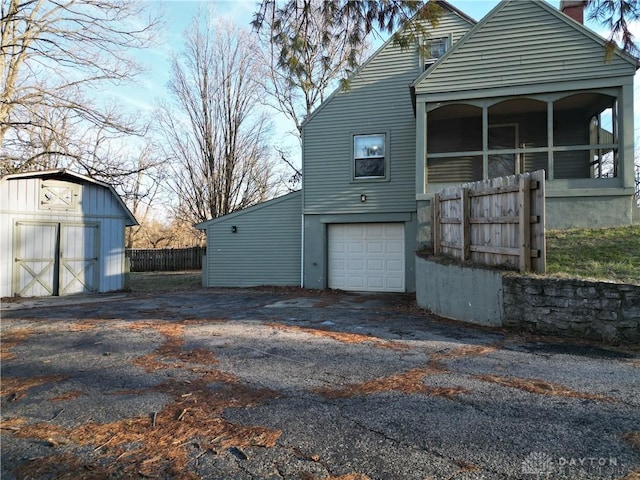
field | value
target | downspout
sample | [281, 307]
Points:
[302, 255]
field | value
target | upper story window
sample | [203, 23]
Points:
[369, 156]
[434, 49]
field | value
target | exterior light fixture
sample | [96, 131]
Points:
[234, 229]
[363, 198]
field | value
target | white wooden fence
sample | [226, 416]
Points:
[497, 222]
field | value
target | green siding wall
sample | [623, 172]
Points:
[523, 43]
[265, 250]
[377, 101]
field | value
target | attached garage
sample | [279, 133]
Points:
[61, 233]
[260, 245]
[366, 257]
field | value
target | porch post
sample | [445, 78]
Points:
[550, 139]
[625, 140]
[421, 147]
[485, 142]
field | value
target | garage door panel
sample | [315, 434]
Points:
[394, 265]
[355, 265]
[373, 259]
[337, 264]
[374, 231]
[355, 247]
[375, 247]
[394, 247]
[375, 265]
[395, 283]
[339, 281]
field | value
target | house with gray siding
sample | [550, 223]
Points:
[61, 233]
[526, 88]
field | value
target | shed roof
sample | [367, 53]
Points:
[64, 174]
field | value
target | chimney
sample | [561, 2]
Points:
[573, 9]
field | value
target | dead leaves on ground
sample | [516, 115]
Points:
[343, 337]
[13, 389]
[542, 387]
[410, 381]
[633, 438]
[154, 445]
[11, 339]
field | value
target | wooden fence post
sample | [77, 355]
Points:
[524, 210]
[435, 223]
[465, 224]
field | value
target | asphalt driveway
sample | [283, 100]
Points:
[273, 384]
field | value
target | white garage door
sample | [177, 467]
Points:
[367, 257]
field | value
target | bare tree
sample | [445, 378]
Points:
[51, 54]
[311, 45]
[214, 129]
[299, 78]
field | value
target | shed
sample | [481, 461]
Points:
[61, 233]
[260, 245]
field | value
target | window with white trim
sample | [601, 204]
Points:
[369, 156]
[434, 49]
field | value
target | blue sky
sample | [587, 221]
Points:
[179, 14]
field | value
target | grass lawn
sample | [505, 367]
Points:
[158, 281]
[602, 254]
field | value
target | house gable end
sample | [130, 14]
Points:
[523, 43]
[453, 20]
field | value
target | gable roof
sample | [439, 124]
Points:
[64, 174]
[442, 3]
[244, 211]
[523, 42]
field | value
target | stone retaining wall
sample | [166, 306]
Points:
[600, 310]
[567, 307]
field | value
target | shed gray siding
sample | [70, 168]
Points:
[97, 205]
[264, 250]
[520, 43]
[378, 100]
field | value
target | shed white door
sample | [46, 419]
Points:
[35, 262]
[78, 259]
[367, 257]
[55, 259]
